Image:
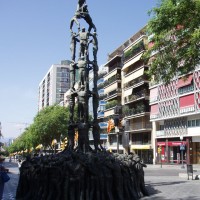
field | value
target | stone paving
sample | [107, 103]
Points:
[166, 184]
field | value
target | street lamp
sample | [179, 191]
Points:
[182, 148]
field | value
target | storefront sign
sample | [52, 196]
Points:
[171, 143]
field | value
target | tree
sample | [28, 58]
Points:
[49, 124]
[174, 30]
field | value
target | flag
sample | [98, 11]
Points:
[110, 125]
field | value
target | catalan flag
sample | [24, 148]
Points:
[110, 125]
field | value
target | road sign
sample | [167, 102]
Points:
[182, 147]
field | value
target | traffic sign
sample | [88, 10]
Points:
[182, 147]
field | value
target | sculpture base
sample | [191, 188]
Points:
[82, 176]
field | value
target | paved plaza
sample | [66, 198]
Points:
[166, 183]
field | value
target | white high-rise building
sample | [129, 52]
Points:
[54, 84]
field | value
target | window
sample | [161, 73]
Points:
[194, 123]
[197, 122]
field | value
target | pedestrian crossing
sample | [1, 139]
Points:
[8, 196]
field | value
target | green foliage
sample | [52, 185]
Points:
[175, 31]
[111, 104]
[48, 124]
[134, 50]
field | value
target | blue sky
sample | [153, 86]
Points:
[35, 34]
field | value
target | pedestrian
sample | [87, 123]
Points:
[19, 164]
[2, 169]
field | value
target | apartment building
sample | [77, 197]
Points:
[175, 114]
[54, 84]
[126, 86]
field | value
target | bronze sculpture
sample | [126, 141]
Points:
[80, 173]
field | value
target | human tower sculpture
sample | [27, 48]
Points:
[82, 173]
[83, 60]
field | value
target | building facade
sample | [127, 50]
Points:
[54, 84]
[127, 87]
[175, 114]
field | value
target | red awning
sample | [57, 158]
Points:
[187, 100]
[185, 81]
[154, 109]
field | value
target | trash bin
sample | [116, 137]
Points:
[190, 171]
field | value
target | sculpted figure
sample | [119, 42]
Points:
[96, 135]
[83, 37]
[73, 42]
[94, 41]
[72, 75]
[82, 65]
[82, 12]
[82, 105]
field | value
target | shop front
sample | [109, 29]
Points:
[171, 152]
[144, 152]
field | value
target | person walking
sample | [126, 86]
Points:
[2, 169]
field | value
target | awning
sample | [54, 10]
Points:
[131, 62]
[134, 75]
[184, 81]
[154, 109]
[128, 92]
[187, 101]
[140, 146]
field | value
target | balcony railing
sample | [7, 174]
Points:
[136, 96]
[138, 126]
[160, 133]
[111, 104]
[103, 125]
[114, 92]
[111, 80]
[100, 114]
[186, 89]
[102, 96]
[134, 111]
[134, 82]
[134, 50]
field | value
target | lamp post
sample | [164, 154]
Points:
[182, 148]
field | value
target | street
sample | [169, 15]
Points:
[162, 183]
[11, 186]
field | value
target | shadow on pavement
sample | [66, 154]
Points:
[164, 198]
[166, 183]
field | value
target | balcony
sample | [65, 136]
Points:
[113, 79]
[101, 92]
[136, 97]
[134, 50]
[103, 125]
[113, 94]
[100, 83]
[102, 96]
[160, 133]
[134, 112]
[186, 89]
[138, 127]
[102, 103]
[134, 82]
[100, 114]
